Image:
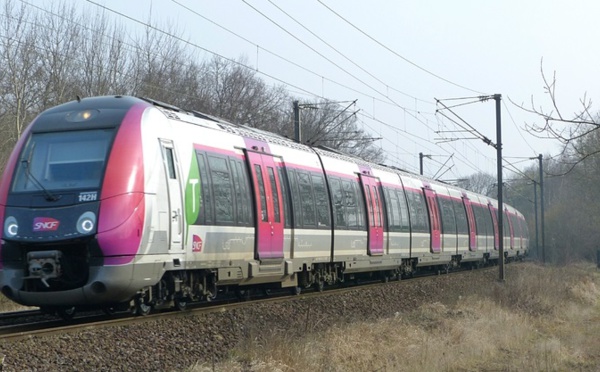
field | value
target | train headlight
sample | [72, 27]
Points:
[80, 116]
[86, 223]
[11, 227]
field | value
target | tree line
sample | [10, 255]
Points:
[53, 55]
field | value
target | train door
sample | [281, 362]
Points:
[175, 194]
[495, 221]
[269, 205]
[373, 199]
[471, 222]
[434, 220]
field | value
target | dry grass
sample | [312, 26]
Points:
[540, 319]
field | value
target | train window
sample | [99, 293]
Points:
[370, 205]
[206, 204]
[339, 209]
[393, 214]
[361, 214]
[404, 220]
[321, 200]
[482, 220]
[378, 207]
[242, 193]
[295, 197]
[353, 216]
[516, 225]
[462, 226]
[506, 225]
[307, 199]
[170, 163]
[286, 197]
[418, 211]
[262, 193]
[63, 160]
[434, 210]
[274, 194]
[222, 189]
[448, 216]
[397, 213]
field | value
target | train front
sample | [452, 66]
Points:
[72, 205]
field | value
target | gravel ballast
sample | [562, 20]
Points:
[176, 344]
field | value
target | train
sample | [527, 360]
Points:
[117, 202]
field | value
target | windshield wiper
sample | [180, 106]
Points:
[48, 195]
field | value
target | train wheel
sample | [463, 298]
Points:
[242, 294]
[109, 310]
[296, 291]
[67, 313]
[180, 303]
[320, 285]
[141, 308]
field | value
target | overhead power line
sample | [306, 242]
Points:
[396, 54]
[296, 64]
[342, 54]
[412, 113]
[274, 78]
[321, 54]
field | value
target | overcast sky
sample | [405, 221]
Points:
[397, 57]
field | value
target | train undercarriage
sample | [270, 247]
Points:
[179, 288]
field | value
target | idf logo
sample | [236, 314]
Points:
[196, 244]
[45, 224]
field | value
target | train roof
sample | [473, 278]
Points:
[262, 135]
[202, 119]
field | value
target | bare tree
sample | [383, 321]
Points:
[57, 42]
[104, 63]
[238, 95]
[53, 54]
[331, 125]
[481, 183]
[569, 130]
[20, 80]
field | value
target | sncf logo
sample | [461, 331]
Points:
[45, 224]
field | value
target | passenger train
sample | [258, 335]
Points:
[116, 201]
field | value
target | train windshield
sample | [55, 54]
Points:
[63, 161]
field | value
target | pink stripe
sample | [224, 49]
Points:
[122, 205]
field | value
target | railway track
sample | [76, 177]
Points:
[19, 325]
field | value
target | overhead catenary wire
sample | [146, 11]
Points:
[342, 54]
[405, 109]
[320, 54]
[199, 46]
[283, 58]
[397, 54]
[374, 98]
[517, 127]
[471, 129]
[416, 114]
